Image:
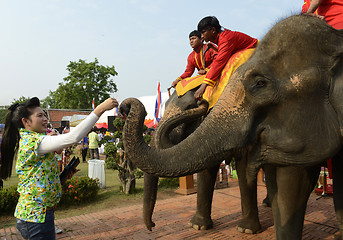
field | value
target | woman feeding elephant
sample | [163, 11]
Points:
[39, 184]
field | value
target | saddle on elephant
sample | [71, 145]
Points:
[212, 94]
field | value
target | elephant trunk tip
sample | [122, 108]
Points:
[150, 226]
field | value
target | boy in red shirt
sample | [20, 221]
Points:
[200, 58]
[228, 42]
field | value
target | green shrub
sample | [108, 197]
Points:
[147, 138]
[112, 157]
[79, 190]
[168, 182]
[106, 139]
[139, 173]
[118, 134]
[8, 200]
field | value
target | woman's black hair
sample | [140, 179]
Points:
[208, 22]
[11, 137]
[195, 33]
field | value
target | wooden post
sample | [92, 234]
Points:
[222, 180]
[186, 185]
[260, 177]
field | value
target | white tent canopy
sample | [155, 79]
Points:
[76, 119]
[148, 102]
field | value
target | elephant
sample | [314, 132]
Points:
[284, 105]
[174, 130]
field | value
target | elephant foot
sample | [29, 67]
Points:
[249, 226]
[201, 223]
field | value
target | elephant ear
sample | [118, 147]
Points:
[336, 89]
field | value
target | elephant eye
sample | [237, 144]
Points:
[260, 83]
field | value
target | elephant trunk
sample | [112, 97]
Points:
[223, 130]
[150, 194]
[162, 140]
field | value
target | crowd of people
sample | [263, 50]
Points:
[41, 153]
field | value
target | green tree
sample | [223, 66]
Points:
[3, 109]
[21, 100]
[84, 82]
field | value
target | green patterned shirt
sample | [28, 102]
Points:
[39, 183]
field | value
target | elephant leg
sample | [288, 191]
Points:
[266, 202]
[206, 180]
[289, 199]
[337, 172]
[149, 200]
[248, 188]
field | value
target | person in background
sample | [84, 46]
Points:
[200, 58]
[93, 143]
[39, 183]
[59, 159]
[84, 148]
[65, 157]
[100, 134]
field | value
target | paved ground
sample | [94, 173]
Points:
[172, 215]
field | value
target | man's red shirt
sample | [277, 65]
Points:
[196, 60]
[332, 10]
[229, 42]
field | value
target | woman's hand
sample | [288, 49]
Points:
[108, 104]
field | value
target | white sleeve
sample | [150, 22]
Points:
[53, 143]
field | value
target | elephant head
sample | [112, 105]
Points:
[177, 129]
[285, 102]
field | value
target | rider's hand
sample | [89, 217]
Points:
[315, 15]
[202, 72]
[198, 94]
[175, 83]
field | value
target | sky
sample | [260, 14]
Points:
[146, 41]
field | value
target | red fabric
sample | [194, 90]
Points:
[332, 10]
[150, 123]
[306, 5]
[329, 163]
[195, 60]
[229, 42]
[101, 125]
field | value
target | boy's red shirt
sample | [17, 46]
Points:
[229, 42]
[332, 10]
[196, 60]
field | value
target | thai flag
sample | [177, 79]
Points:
[93, 105]
[117, 108]
[158, 104]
